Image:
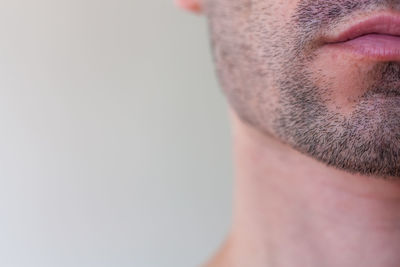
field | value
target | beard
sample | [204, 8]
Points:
[265, 65]
[367, 140]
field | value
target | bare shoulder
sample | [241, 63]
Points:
[221, 258]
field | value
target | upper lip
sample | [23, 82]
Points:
[382, 24]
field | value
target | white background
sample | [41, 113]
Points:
[114, 136]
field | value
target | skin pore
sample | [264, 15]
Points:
[316, 135]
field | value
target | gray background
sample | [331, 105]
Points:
[114, 139]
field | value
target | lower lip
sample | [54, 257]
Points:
[378, 47]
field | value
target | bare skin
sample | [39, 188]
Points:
[290, 211]
[301, 200]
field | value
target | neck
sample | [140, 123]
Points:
[291, 210]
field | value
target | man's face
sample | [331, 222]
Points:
[287, 70]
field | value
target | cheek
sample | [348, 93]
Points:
[341, 79]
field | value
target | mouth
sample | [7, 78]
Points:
[376, 38]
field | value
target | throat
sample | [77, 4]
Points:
[291, 210]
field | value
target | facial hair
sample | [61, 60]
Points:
[366, 141]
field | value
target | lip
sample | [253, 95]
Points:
[376, 38]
